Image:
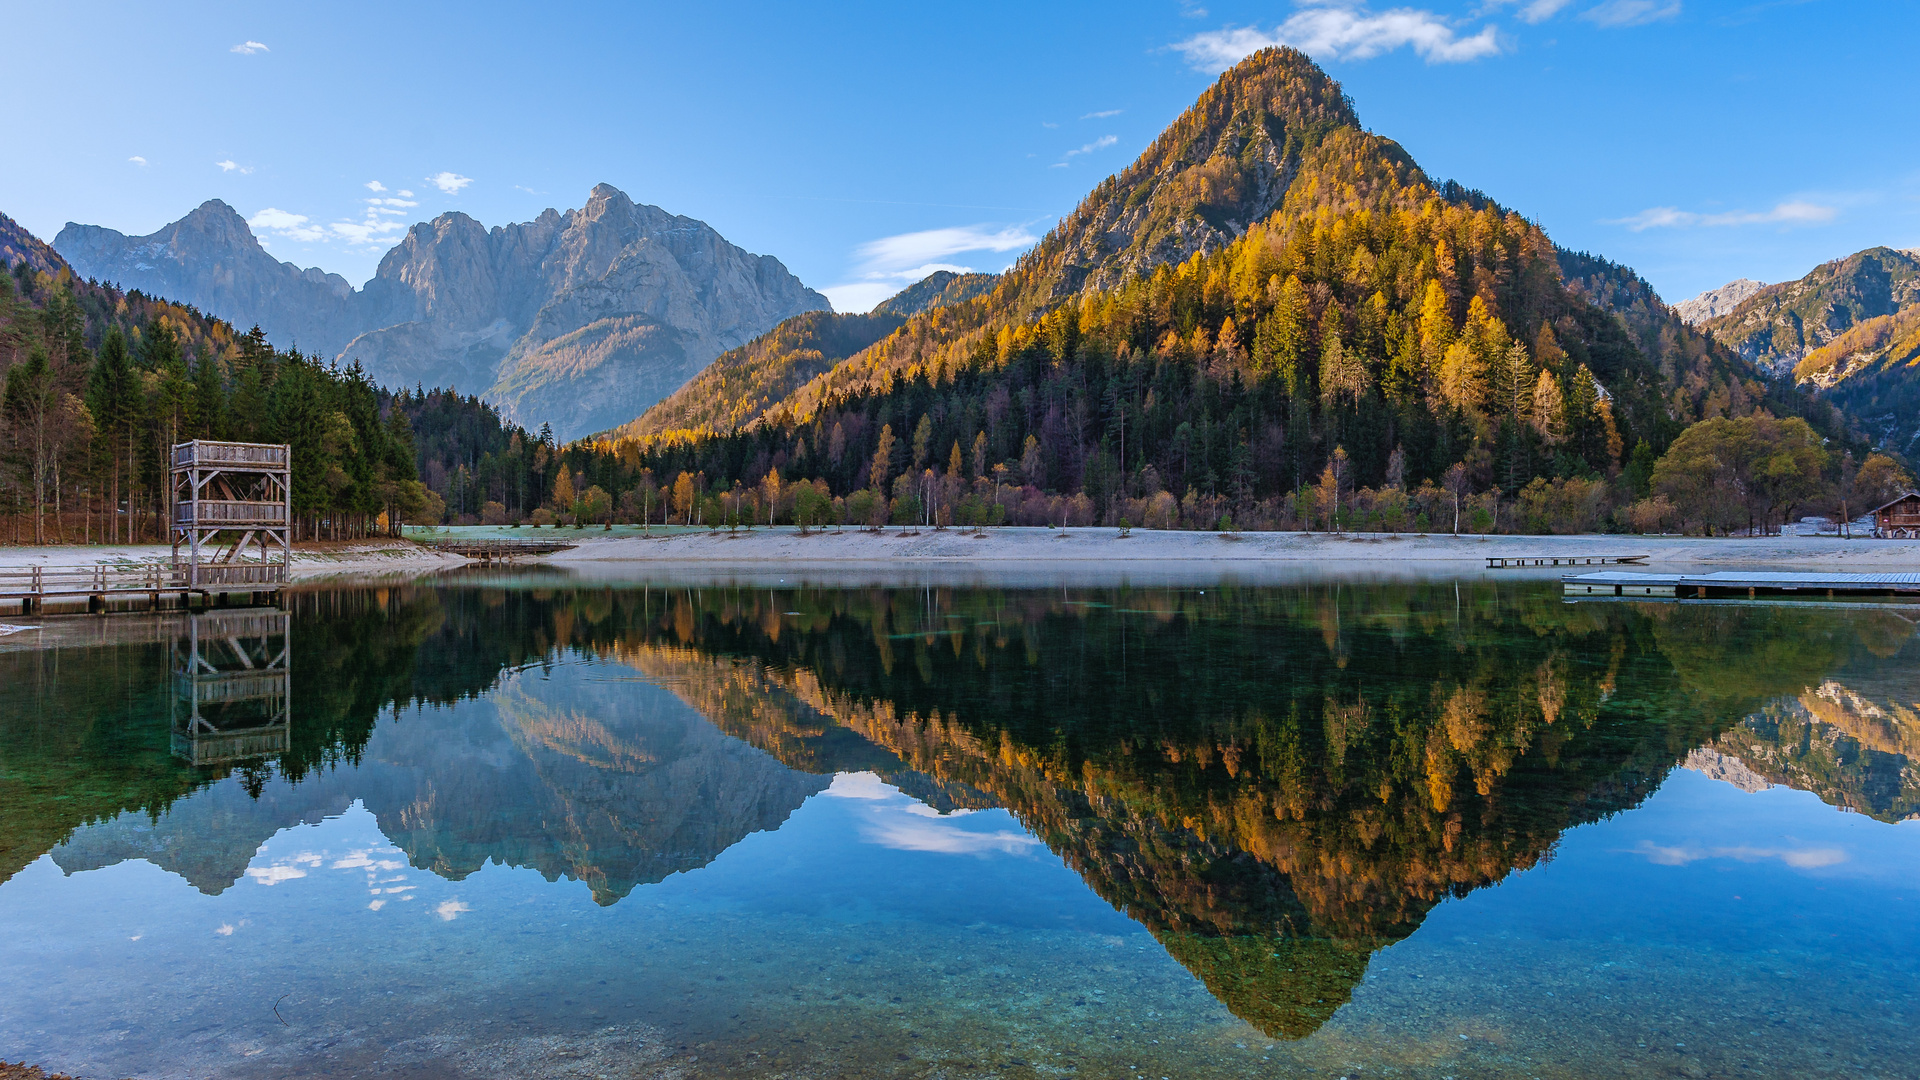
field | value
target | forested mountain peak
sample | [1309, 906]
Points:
[1269, 295]
[1227, 162]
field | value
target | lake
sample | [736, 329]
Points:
[519, 823]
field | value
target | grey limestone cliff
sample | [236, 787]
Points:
[580, 318]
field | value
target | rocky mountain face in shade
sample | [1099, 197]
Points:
[581, 318]
[1717, 302]
[211, 259]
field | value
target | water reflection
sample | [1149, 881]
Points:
[1275, 783]
[230, 682]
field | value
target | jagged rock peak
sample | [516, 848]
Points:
[1717, 302]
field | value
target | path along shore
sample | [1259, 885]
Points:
[1031, 546]
[601, 554]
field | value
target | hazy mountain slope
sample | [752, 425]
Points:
[734, 389]
[942, 288]
[1717, 302]
[581, 319]
[737, 387]
[1778, 325]
[211, 259]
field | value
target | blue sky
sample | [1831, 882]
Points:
[863, 143]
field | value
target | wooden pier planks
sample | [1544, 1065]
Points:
[1750, 584]
[1509, 562]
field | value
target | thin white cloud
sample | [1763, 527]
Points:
[1631, 12]
[1541, 10]
[376, 186]
[450, 910]
[285, 223]
[1682, 854]
[405, 194]
[528, 190]
[892, 254]
[248, 48]
[228, 165]
[1058, 165]
[138, 160]
[893, 262]
[1100, 143]
[274, 875]
[1343, 31]
[449, 182]
[1670, 217]
[1048, 124]
[1102, 114]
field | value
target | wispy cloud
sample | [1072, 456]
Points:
[138, 160]
[231, 165]
[1541, 10]
[1342, 30]
[528, 190]
[449, 182]
[888, 264]
[1631, 12]
[894, 254]
[279, 222]
[1102, 114]
[1100, 143]
[1682, 854]
[375, 185]
[248, 48]
[450, 910]
[1670, 217]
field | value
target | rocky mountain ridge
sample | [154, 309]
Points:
[1849, 329]
[579, 318]
[1716, 302]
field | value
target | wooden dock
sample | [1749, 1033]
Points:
[103, 589]
[1508, 562]
[1743, 584]
[498, 550]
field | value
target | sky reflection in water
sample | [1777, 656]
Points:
[1397, 829]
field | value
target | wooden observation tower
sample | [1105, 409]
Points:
[242, 490]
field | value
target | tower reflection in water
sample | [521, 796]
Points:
[231, 700]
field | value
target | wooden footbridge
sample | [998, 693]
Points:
[489, 550]
[100, 590]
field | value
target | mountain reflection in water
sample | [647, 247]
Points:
[1275, 782]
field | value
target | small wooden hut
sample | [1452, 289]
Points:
[1899, 519]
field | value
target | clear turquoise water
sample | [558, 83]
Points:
[1396, 830]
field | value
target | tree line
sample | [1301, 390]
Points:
[100, 383]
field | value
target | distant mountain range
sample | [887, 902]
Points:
[582, 319]
[1850, 329]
